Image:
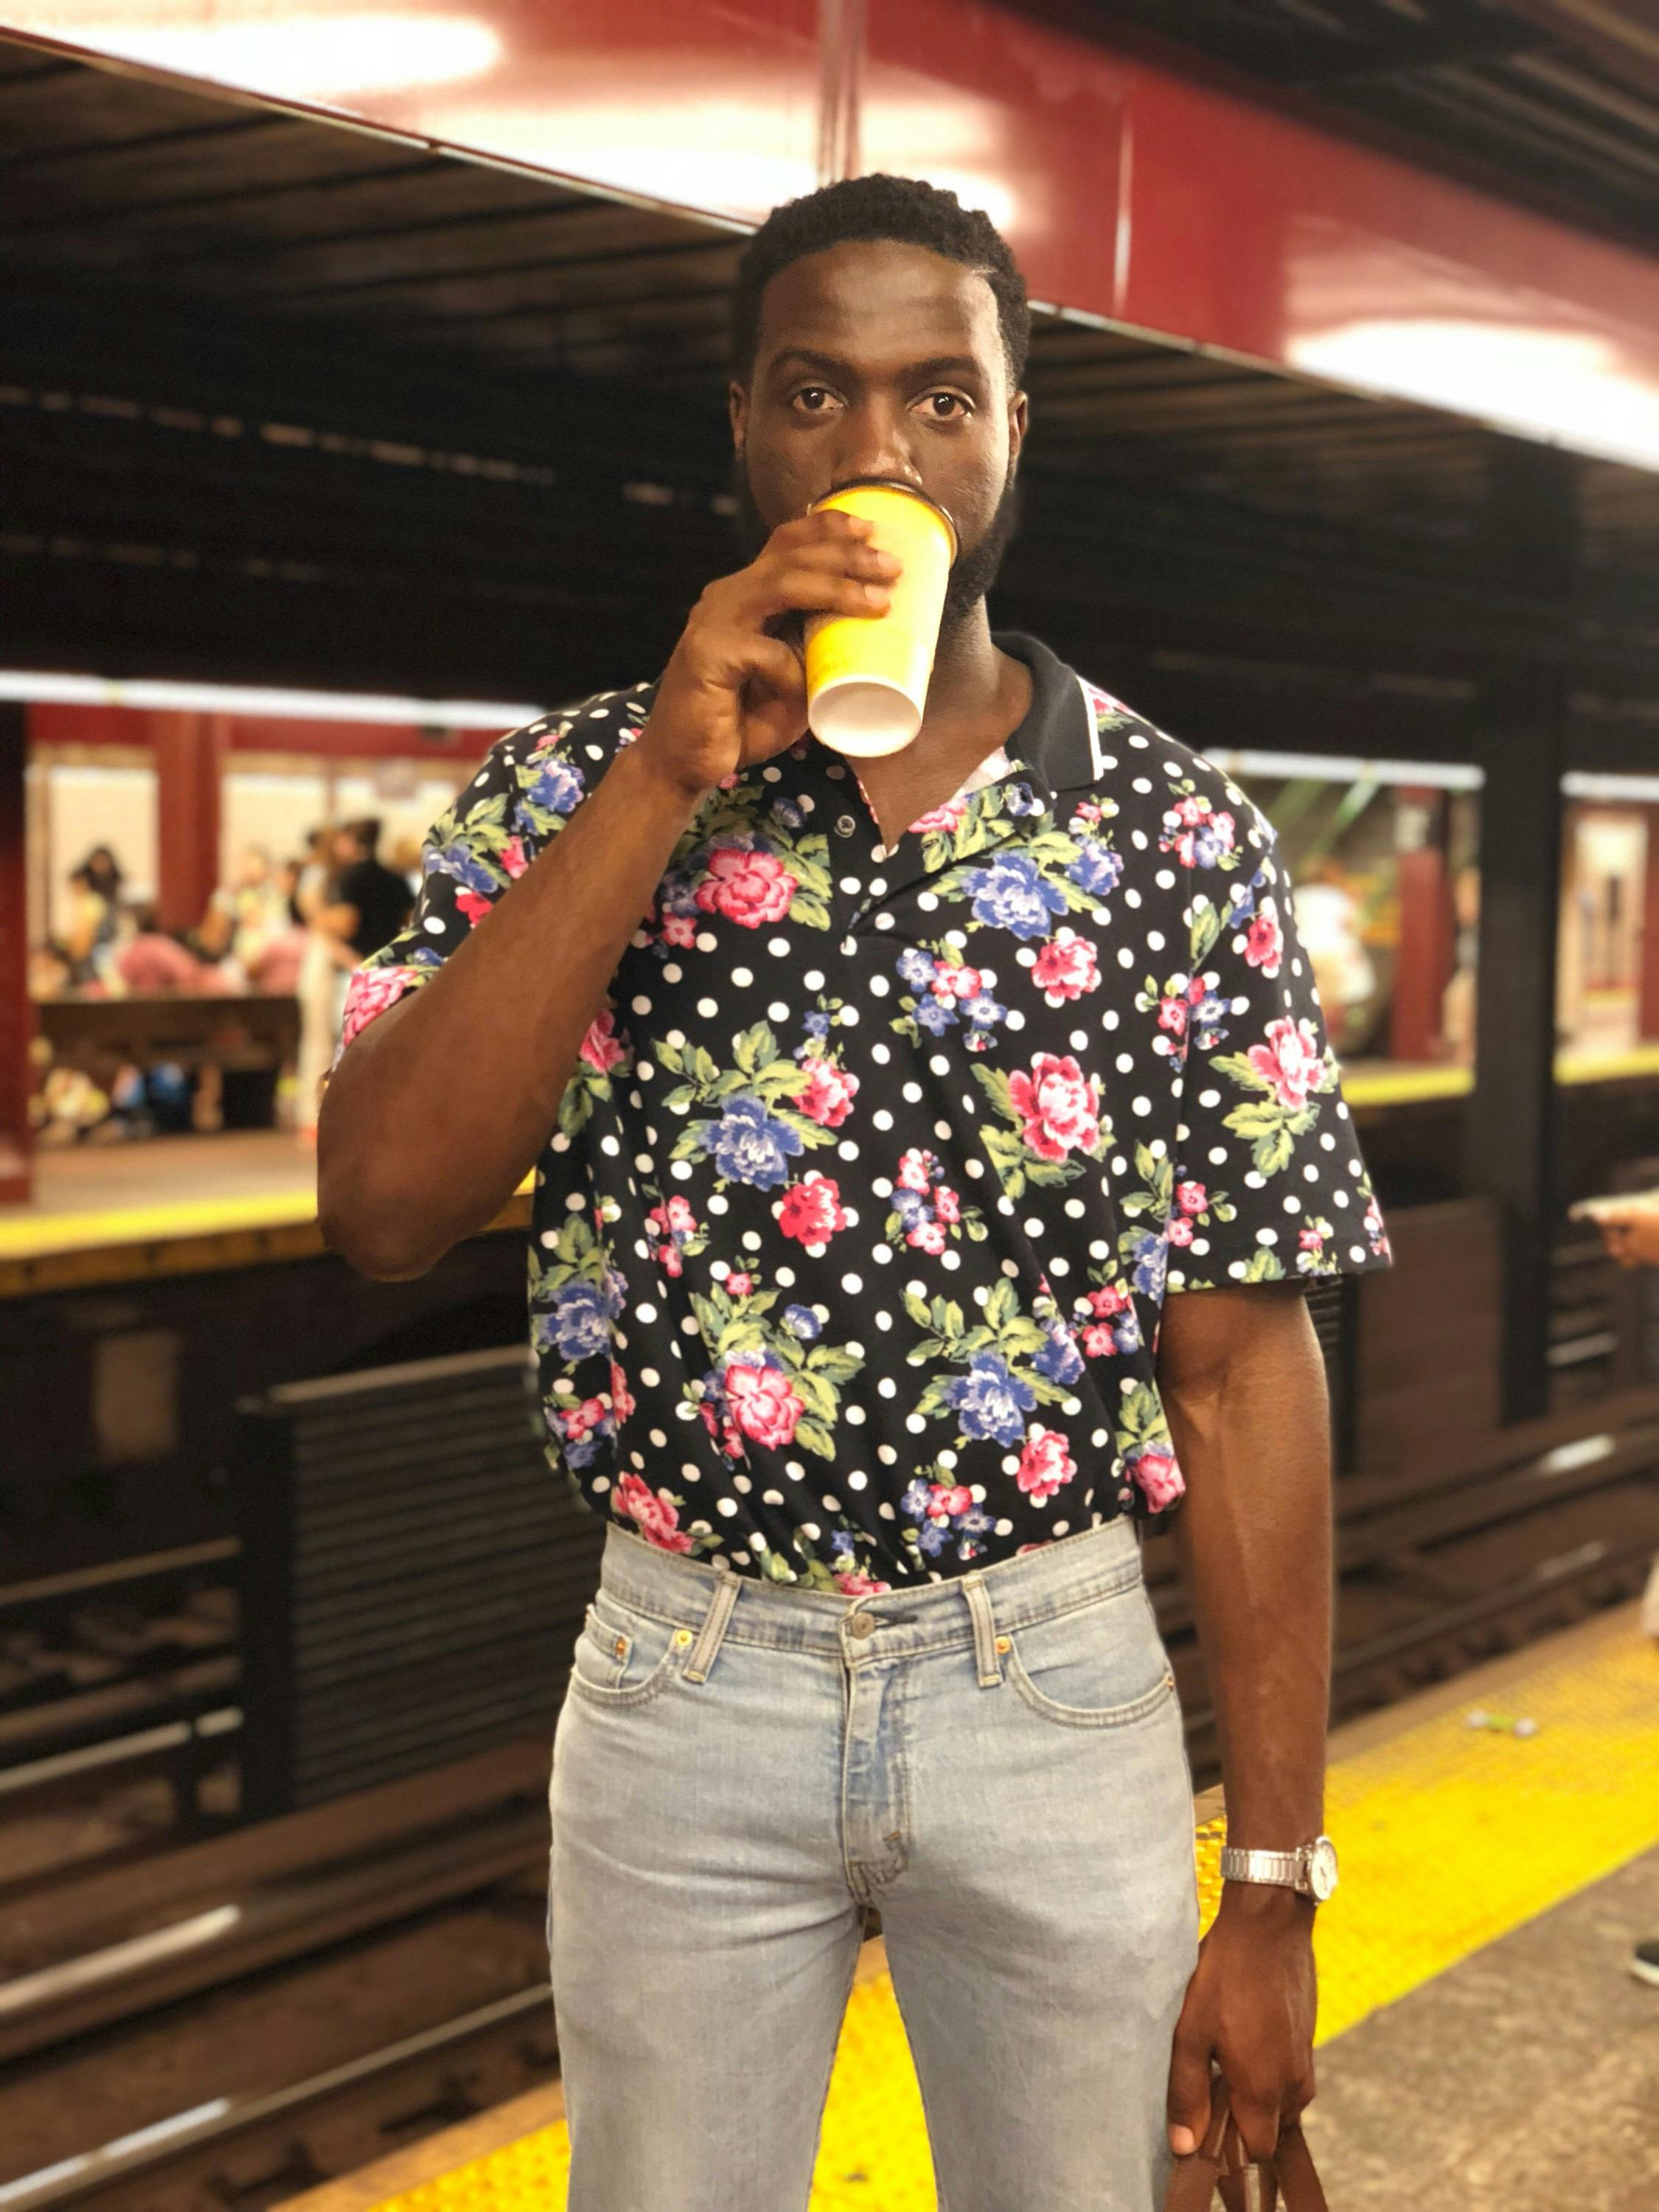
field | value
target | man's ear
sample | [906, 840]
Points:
[737, 407]
[1019, 421]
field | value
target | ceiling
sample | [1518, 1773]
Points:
[1553, 101]
[284, 401]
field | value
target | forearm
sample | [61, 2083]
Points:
[440, 1109]
[1254, 1540]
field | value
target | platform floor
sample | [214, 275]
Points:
[1483, 2047]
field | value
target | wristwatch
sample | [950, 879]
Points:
[1310, 1870]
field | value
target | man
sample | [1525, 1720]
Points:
[884, 1108]
[371, 902]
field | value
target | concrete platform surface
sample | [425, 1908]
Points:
[1525, 2079]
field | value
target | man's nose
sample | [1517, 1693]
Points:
[875, 442]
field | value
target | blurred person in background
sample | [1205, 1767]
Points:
[319, 984]
[1630, 1230]
[405, 858]
[94, 915]
[152, 960]
[370, 902]
[244, 914]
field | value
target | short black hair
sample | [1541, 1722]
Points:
[906, 210]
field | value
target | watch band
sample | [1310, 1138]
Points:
[1284, 1870]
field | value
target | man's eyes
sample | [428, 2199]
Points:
[942, 406]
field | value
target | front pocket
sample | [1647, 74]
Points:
[1102, 1665]
[623, 1658]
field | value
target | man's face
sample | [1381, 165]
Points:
[882, 360]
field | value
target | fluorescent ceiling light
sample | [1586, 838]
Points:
[1643, 790]
[294, 57]
[160, 696]
[1571, 386]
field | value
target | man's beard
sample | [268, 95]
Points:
[975, 569]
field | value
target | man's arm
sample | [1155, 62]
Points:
[440, 1107]
[1243, 1388]
[439, 1110]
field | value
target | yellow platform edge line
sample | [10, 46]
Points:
[1449, 1837]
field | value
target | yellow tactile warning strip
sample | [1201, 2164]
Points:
[1449, 1836]
[1378, 1083]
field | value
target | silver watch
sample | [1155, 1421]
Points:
[1310, 1870]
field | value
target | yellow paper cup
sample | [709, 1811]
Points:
[867, 675]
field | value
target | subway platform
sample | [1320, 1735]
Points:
[1483, 2047]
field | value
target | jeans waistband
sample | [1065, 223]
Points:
[713, 1604]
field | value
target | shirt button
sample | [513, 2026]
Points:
[845, 825]
[860, 1625]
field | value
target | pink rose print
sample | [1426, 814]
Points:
[1309, 1239]
[859, 1585]
[927, 1237]
[956, 984]
[740, 1285]
[947, 1205]
[829, 1095]
[513, 858]
[657, 1518]
[946, 1500]
[1045, 1465]
[763, 1403]
[599, 1048]
[1061, 1109]
[680, 929]
[746, 886]
[1066, 967]
[915, 1170]
[1159, 1476]
[622, 1398]
[1264, 942]
[369, 992]
[1191, 1197]
[1178, 1230]
[948, 817]
[1097, 1340]
[812, 1210]
[1290, 1061]
[473, 905]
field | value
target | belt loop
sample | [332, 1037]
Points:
[985, 1634]
[714, 1627]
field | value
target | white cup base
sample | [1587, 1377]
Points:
[864, 717]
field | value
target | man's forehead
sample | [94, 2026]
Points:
[878, 298]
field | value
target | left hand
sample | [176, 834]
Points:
[1250, 2009]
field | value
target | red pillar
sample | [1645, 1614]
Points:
[16, 1010]
[1427, 927]
[189, 751]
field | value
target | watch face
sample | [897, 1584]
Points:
[1322, 1868]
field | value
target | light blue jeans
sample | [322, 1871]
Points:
[995, 1762]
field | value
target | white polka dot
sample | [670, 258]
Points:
[777, 1012]
[780, 946]
[881, 1119]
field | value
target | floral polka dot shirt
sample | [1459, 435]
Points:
[878, 1164]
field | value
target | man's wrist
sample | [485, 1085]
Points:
[658, 772]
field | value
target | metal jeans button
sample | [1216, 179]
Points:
[861, 1624]
[845, 825]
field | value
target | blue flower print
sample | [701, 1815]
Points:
[1012, 894]
[916, 967]
[802, 1321]
[818, 1025]
[935, 1014]
[1148, 1256]
[747, 1145]
[989, 1401]
[786, 814]
[579, 1323]
[1060, 1358]
[464, 866]
[558, 788]
[1096, 869]
[1019, 799]
[983, 1011]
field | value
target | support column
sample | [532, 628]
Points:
[1520, 719]
[16, 1010]
[188, 751]
[1423, 965]
[1647, 948]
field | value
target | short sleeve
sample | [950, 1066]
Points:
[1269, 1183]
[529, 785]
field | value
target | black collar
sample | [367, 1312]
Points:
[1057, 736]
